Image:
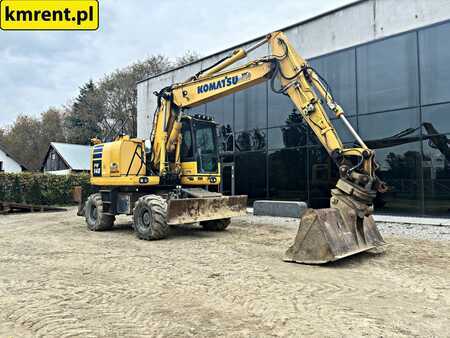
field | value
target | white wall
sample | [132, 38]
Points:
[359, 23]
[9, 165]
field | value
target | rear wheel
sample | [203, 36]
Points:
[96, 219]
[149, 218]
[216, 225]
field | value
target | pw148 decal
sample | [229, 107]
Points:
[223, 83]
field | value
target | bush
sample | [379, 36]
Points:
[43, 189]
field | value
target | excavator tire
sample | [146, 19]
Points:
[216, 225]
[149, 218]
[96, 219]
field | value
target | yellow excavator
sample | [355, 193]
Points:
[173, 178]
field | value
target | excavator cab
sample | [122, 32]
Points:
[199, 144]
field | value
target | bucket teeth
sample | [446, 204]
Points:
[324, 235]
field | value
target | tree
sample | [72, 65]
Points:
[83, 120]
[120, 93]
[23, 140]
[188, 57]
[52, 126]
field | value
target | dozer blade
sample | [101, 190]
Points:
[323, 236]
[190, 210]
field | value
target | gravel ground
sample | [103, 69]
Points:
[414, 231]
[57, 279]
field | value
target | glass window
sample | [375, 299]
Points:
[196, 110]
[400, 168]
[280, 107]
[436, 174]
[436, 119]
[388, 126]
[387, 74]
[207, 160]
[226, 138]
[204, 138]
[250, 170]
[251, 140]
[287, 174]
[434, 49]
[221, 110]
[187, 149]
[251, 108]
[290, 136]
[338, 70]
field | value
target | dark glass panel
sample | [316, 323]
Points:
[196, 110]
[280, 107]
[436, 173]
[227, 183]
[250, 174]
[400, 168]
[338, 70]
[222, 110]
[251, 140]
[287, 174]
[187, 149]
[290, 136]
[388, 74]
[251, 108]
[400, 124]
[436, 119]
[434, 51]
[226, 138]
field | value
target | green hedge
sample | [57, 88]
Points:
[42, 189]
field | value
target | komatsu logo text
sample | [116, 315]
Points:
[223, 83]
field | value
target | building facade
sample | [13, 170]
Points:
[387, 64]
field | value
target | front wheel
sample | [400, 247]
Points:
[96, 219]
[149, 218]
[216, 225]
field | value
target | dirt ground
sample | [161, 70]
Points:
[57, 279]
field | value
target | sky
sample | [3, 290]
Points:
[39, 70]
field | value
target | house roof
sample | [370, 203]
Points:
[76, 156]
[2, 148]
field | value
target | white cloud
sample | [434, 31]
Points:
[43, 69]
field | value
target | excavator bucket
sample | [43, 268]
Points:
[326, 235]
[191, 210]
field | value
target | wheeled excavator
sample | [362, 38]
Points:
[173, 178]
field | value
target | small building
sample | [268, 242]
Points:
[65, 158]
[8, 163]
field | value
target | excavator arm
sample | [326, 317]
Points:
[326, 234]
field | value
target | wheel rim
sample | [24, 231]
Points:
[146, 220]
[93, 214]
